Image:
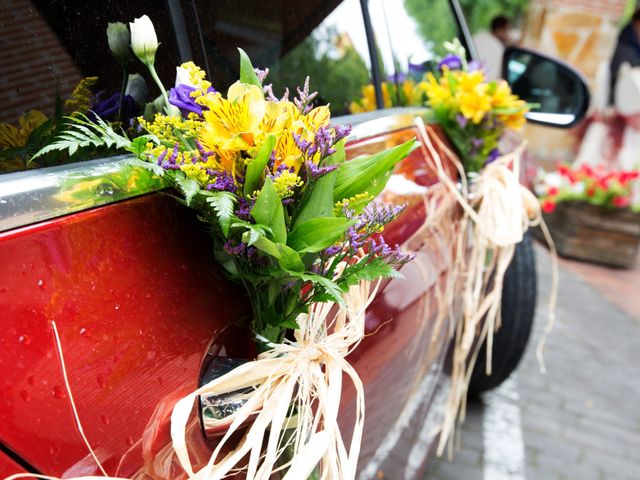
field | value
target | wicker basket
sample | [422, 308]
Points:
[595, 234]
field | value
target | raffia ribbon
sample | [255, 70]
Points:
[305, 374]
[495, 217]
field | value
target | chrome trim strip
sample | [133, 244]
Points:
[36, 195]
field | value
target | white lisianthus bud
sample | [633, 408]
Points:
[119, 40]
[183, 77]
[144, 41]
[137, 88]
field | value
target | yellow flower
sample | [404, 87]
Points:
[81, 97]
[476, 104]
[368, 101]
[468, 81]
[232, 123]
[11, 136]
[438, 93]
[286, 182]
[190, 74]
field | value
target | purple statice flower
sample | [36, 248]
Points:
[493, 154]
[341, 131]
[451, 61]
[378, 214]
[169, 163]
[243, 211]
[302, 144]
[476, 145]
[180, 97]
[304, 98]
[322, 143]
[331, 251]
[268, 90]
[355, 239]
[224, 182]
[314, 172]
[392, 256]
[234, 248]
[204, 153]
[261, 74]
[107, 109]
[461, 120]
[287, 201]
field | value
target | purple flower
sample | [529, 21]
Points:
[243, 211]
[233, 248]
[331, 251]
[341, 131]
[417, 68]
[170, 163]
[397, 77]
[493, 154]
[378, 214]
[355, 239]
[462, 120]
[107, 109]
[224, 182]
[475, 65]
[180, 97]
[451, 61]
[304, 98]
[316, 172]
[392, 256]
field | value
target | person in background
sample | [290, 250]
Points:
[627, 50]
[491, 45]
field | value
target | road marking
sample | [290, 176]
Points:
[502, 438]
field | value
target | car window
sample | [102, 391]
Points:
[56, 59]
[409, 34]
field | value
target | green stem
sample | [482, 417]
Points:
[123, 89]
[152, 70]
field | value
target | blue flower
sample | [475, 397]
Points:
[451, 61]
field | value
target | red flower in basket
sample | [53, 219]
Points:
[548, 206]
[621, 202]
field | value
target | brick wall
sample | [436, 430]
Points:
[34, 65]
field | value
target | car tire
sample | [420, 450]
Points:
[519, 293]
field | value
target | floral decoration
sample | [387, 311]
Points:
[597, 185]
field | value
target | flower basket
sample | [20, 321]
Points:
[607, 236]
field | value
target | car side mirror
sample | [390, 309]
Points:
[559, 90]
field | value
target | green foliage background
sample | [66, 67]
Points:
[436, 22]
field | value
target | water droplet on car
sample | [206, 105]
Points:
[102, 381]
[83, 331]
[104, 419]
[26, 396]
[117, 307]
[59, 392]
[24, 339]
[129, 441]
[31, 380]
[104, 190]
[41, 284]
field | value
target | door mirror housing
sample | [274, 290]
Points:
[560, 92]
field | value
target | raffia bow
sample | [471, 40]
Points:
[302, 376]
[496, 214]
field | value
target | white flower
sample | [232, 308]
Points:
[183, 77]
[144, 41]
[137, 88]
[553, 179]
[577, 188]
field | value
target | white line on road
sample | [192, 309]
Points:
[502, 434]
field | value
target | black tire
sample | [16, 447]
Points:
[518, 308]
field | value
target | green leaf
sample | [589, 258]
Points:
[288, 258]
[258, 164]
[374, 269]
[151, 166]
[222, 203]
[247, 73]
[268, 211]
[139, 145]
[317, 234]
[318, 200]
[188, 186]
[327, 286]
[369, 173]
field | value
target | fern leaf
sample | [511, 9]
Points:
[222, 203]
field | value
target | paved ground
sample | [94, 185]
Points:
[581, 420]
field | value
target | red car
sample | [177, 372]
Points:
[128, 275]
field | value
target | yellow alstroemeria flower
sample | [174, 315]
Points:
[438, 93]
[468, 81]
[12, 136]
[474, 105]
[232, 123]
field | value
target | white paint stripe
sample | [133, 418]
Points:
[402, 423]
[504, 457]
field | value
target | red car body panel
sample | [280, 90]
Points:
[138, 301]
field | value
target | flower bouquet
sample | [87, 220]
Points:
[291, 221]
[593, 213]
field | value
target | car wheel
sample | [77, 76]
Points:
[518, 307]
